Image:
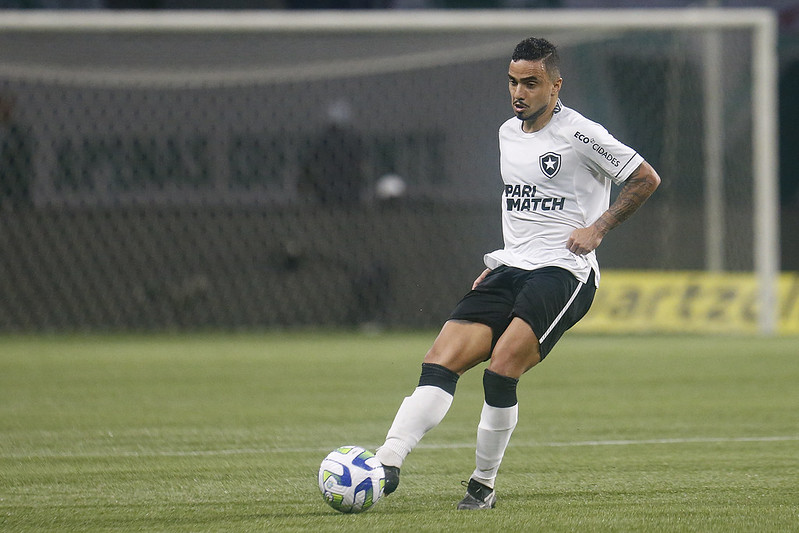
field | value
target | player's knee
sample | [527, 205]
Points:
[516, 352]
[513, 362]
[438, 355]
[459, 347]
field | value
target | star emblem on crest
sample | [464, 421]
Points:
[550, 164]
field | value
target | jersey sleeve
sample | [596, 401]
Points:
[602, 152]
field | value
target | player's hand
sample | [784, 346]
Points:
[480, 278]
[584, 240]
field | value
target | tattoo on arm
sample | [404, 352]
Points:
[638, 187]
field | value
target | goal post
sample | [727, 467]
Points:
[196, 78]
[765, 171]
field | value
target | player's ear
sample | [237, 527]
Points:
[556, 86]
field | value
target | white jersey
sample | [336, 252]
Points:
[556, 180]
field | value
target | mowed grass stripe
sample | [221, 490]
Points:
[421, 446]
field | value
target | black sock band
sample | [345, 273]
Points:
[438, 376]
[500, 391]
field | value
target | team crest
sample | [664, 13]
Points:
[550, 164]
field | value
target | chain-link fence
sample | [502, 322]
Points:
[242, 179]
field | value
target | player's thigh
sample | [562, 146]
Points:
[461, 345]
[551, 301]
[517, 350]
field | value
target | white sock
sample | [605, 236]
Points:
[493, 434]
[419, 413]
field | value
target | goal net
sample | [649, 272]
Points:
[262, 169]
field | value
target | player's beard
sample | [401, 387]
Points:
[534, 116]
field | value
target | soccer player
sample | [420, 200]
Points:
[557, 167]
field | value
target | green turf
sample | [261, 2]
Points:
[225, 433]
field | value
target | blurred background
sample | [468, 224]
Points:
[162, 179]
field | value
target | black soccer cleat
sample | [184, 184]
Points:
[392, 479]
[478, 496]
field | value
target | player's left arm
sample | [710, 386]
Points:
[637, 188]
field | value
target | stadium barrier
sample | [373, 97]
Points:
[686, 302]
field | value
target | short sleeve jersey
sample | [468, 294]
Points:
[556, 180]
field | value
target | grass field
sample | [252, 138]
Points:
[225, 433]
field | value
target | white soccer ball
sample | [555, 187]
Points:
[351, 479]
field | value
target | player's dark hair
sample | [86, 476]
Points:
[536, 49]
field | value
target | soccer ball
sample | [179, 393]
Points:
[351, 479]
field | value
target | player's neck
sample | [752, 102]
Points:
[538, 122]
[532, 126]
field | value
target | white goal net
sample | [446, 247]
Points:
[163, 170]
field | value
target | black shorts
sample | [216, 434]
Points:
[550, 300]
